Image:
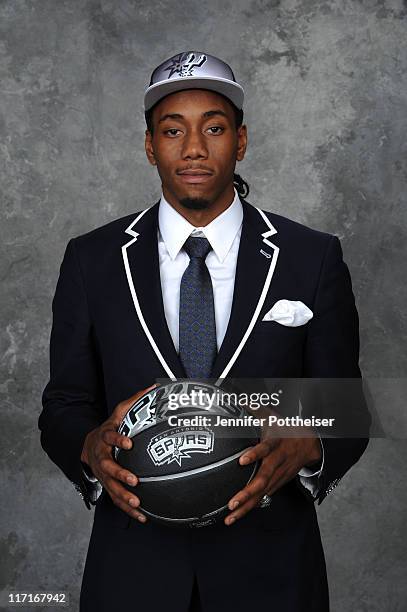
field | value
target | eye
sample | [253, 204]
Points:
[171, 131]
[219, 129]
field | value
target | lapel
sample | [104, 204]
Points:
[256, 263]
[141, 262]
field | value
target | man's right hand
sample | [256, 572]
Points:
[97, 453]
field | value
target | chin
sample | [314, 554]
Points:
[194, 202]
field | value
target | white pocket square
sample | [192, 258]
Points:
[290, 313]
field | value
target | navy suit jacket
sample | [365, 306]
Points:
[110, 339]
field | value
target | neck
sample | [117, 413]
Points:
[200, 218]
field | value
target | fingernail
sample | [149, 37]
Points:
[141, 518]
[244, 459]
[133, 502]
[234, 505]
[131, 480]
[231, 520]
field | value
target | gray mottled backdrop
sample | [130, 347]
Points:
[326, 99]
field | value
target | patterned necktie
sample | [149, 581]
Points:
[197, 330]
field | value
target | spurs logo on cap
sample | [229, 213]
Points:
[192, 70]
[184, 64]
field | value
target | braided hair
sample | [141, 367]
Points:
[242, 187]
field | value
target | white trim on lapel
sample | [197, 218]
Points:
[260, 303]
[143, 323]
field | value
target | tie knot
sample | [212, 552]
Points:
[197, 247]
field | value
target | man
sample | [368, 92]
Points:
[120, 322]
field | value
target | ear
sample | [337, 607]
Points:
[241, 142]
[148, 143]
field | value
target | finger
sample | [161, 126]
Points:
[259, 484]
[123, 498]
[277, 484]
[111, 437]
[256, 487]
[261, 450]
[254, 501]
[119, 492]
[279, 478]
[108, 468]
[244, 509]
[133, 398]
[136, 514]
[123, 407]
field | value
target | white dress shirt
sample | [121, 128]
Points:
[223, 234]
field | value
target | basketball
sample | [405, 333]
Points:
[187, 440]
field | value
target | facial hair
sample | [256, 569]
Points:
[194, 203]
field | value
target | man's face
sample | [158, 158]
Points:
[195, 146]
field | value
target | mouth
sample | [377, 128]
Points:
[194, 175]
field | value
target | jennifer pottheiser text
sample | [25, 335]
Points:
[248, 421]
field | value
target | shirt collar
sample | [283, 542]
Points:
[220, 232]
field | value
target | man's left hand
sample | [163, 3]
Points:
[281, 460]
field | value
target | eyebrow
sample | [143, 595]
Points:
[210, 113]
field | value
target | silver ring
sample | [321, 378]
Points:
[265, 501]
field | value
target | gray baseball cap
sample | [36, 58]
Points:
[192, 70]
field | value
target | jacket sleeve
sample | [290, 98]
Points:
[73, 399]
[332, 352]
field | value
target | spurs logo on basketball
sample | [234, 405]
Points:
[184, 64]
[178, 444]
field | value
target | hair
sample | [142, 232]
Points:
[242, 187]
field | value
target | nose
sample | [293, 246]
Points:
[194, 146]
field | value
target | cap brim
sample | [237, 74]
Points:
[156, 92]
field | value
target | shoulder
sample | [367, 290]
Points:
[113, 228]
[289, 226]
[289, 232]
[116, 232]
